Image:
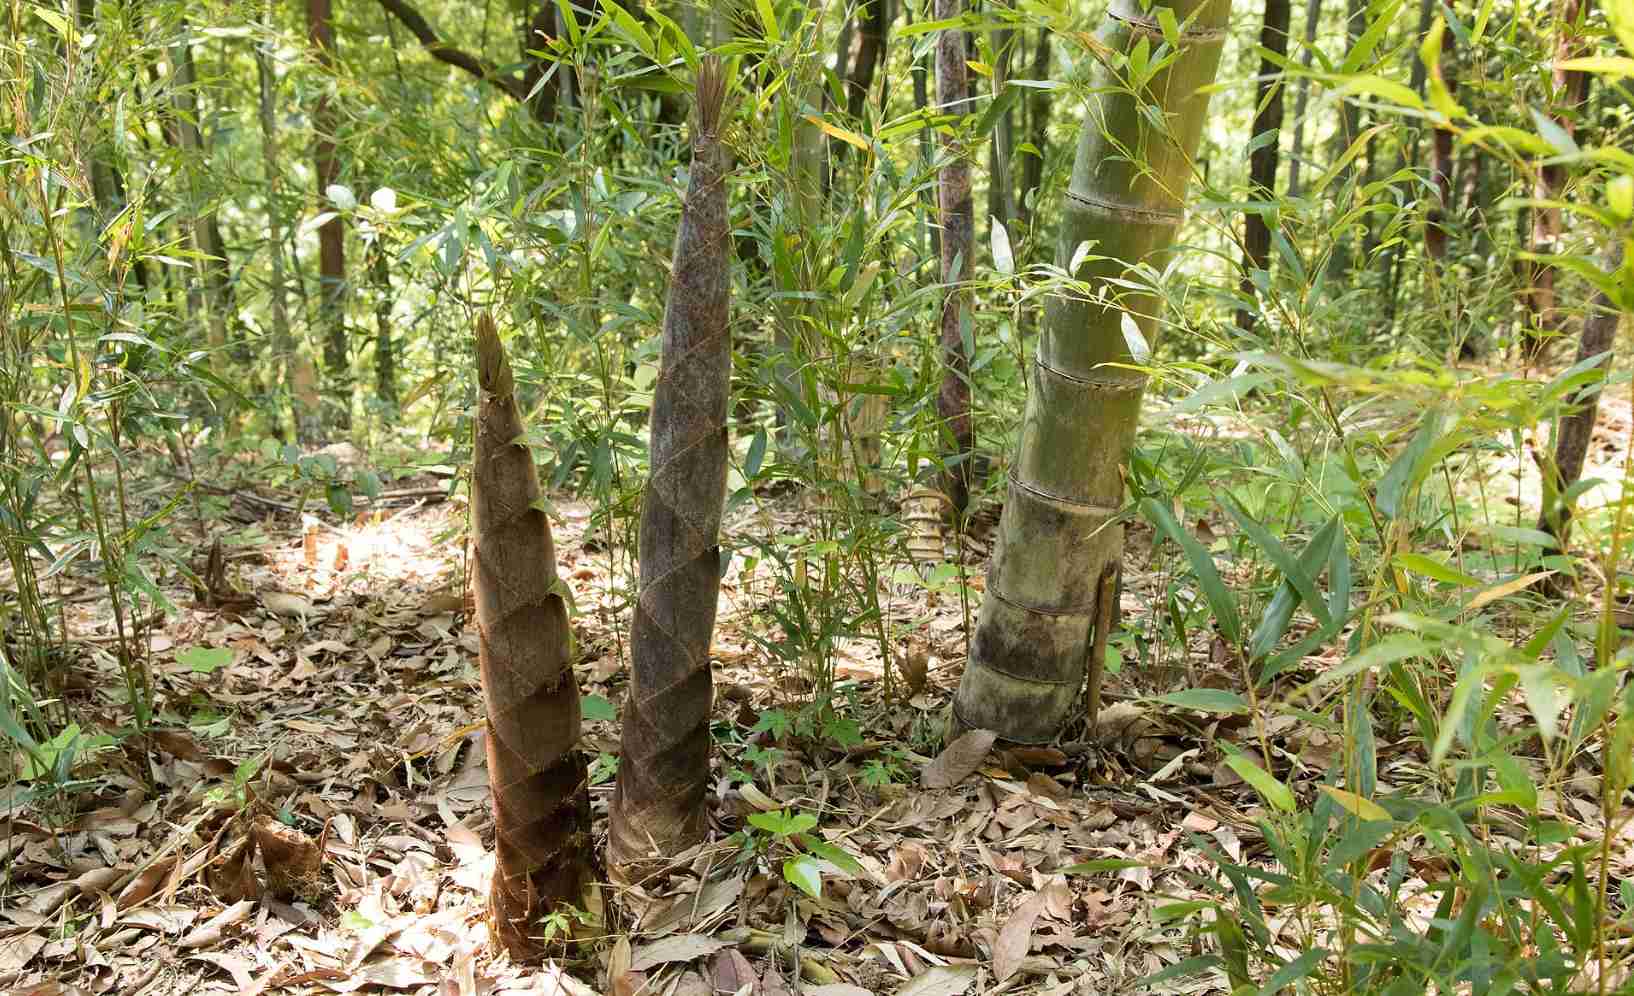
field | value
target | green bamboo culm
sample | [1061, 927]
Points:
[658, 802]
[1058, 534]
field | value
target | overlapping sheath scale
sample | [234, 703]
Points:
[541, 797]
[664, 766]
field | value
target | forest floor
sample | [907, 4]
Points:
[345, 726]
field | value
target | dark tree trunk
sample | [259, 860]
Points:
[332, 295]
[1570, 91]
[542, 840]
[300, 381]
[385, 352]
[1262, 162]
[1576, 428]
[1038, 127]
[1001, 186]
[663, 772]
[873, 20]
[540, 28]
[921, 70]
[1296, 155]
[957, 223]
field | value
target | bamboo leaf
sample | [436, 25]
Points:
[1292, 570]
[1139, 350]
[843, 134]
[1263, 782]
[1207, 700]
[1279, 612]
[1621, 15]
[1003, 258]
[1221, 601]
[1506, 588]
[1606, 65]
[1559, 138]
[1387, 90]
[1429, 567]
[1356, 805]
[768, 21]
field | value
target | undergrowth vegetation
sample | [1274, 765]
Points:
[1346, 575]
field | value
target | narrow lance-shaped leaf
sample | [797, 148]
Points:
[541, 796]
[658, 806]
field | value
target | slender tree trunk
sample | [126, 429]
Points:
[1038, 127]
[1574, 429]
[337, 354]
[1442, 162]
[874, 19]
[542, 842]
[214, 299]
[300, 380]
[1570, 91]
[1296, 156]
[1263, 159]
[385, 352]
[658, 804]
[920, 70]
[1059, 535]
[956, 212]
[1001, 186]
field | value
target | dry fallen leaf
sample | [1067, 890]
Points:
[211, 931]
[17, 952]
[958, 759]
[940, 980]
[681, 947]
[1015, 938]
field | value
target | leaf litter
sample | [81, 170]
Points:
[313, 817]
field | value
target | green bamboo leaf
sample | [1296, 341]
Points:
[836, 856]
[205, 660]
[804, 874]
[1518, 139]
[1263, 782]
[1554, 134]
[1387, 90]
[1404, 470]
[1545, 696]
[597, 708]
[1605, 65]
[1220, 599]
[1292, 972]
[1621, 15]
[1292, 569]
[1369, 40]
[768, 21]
[1100, 866]
[1207, 700]
[1429, 567]
[1470, 682]
[1279, 612]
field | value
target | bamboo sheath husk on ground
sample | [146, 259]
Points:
[658, 803]
[541, 796]
[1058, 532]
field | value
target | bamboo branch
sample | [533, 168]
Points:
[456, 57]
